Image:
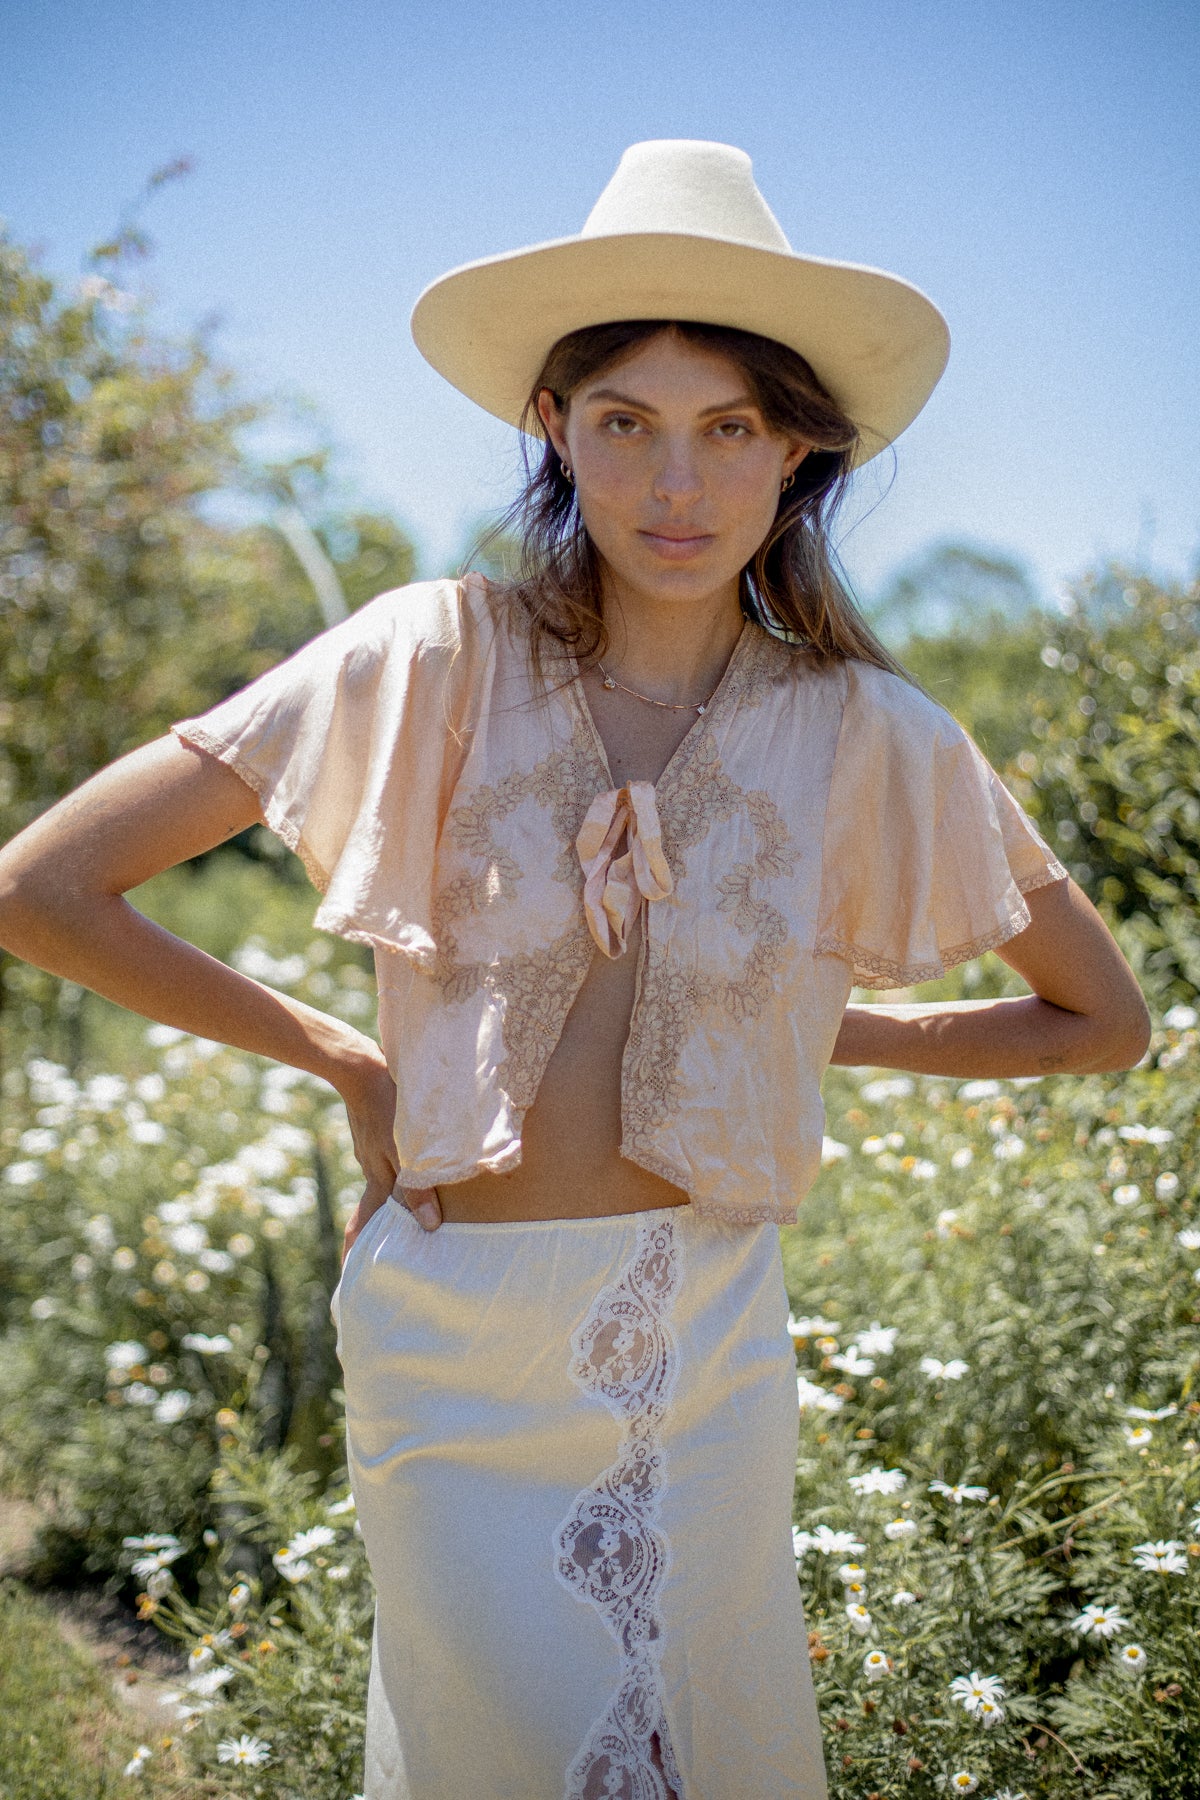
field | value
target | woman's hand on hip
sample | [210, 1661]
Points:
[369, 1094]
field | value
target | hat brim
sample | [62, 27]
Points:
[876, 343]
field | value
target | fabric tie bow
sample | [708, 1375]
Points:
[620, 848]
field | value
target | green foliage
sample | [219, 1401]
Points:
[1113, 771]
[61, 1736]
[126, 603]
[995, 1286]
[1045, 1234]
[172, 1237]
[984, 673]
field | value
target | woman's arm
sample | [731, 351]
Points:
[62, 907]
[1086, 1011]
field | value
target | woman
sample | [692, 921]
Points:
[623, 834]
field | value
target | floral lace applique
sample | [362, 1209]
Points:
[608, 1551]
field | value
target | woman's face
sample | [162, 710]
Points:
[676, 473]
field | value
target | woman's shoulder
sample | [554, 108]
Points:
[437, 614]
[880, 697]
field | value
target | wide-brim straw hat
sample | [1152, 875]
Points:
[682, 232]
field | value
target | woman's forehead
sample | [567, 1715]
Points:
[669, 367]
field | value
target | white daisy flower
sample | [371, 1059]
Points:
[973, 1689]
[144, 1566]
[159, 1540]
[340, 1572]
[1180, 1018]
[897, 1529]
[247, 1752]
[315, 1538]
[904, 1597]
[852, 1571]
[962, 1782]
[1099, 1620]
[859, 1617]
[209, 1681]
[291, 1567]
[832, 1151]
[871, 1146]
[852, 1363]
[160, 1583]
[802, 1541]
[987, 1089]
[954, 1370]
[1127, 1193]
[957, 1493]
[945, 1220]
[173, 1406]
[1130, 1659]
[876, 1666]
[812, 1394]
[962, 1158]
[877, 1340]
[1006, 1148]
[1138, 1436]
[239, 1594]
[836, 1543]
[138, 1760]
[126, 1354]
[347, 1505]
[1167, 1556]
[886, 1087]
[1188, 1239]
[219, 1345]
[812, 1326]
[878, 1480]
[200, 1656]
[1167, 1185]
[1145, 1412]
[989, 1712]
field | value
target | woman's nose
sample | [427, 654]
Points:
[678, 474]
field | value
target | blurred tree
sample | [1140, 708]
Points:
[952, 587]
[125, 603]
[127, 597]
[1113, 770]
[984, 675]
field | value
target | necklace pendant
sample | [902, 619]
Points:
[702, 709]
[608, 682]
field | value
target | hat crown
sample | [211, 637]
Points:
[688, 186]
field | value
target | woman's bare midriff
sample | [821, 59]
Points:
[571, 1166]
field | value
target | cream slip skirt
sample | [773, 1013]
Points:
[572, 1447]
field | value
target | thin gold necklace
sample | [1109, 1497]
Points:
[667, 705]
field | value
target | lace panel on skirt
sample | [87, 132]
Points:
[608, 1550]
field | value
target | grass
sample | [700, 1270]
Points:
[62, 1735]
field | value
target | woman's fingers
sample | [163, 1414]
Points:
[424, 1205]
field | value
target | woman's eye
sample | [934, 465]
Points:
[620, 424]
[732, 428]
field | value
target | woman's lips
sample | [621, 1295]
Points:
[675, 548]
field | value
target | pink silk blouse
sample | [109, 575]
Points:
[817, 829]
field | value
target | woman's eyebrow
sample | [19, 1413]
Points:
[741, 402]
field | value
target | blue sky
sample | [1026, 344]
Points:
[1032, 167]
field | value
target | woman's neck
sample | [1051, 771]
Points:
[670, 650]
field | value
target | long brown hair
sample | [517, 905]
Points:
[792, 585]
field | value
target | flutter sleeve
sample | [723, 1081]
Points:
[353, 745]
[926, 856]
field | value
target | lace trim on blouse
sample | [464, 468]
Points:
[872, 971]
[608, 1551]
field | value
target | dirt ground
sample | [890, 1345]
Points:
[140, 1663]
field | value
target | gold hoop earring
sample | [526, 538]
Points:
[787, 482]
[567, 473]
